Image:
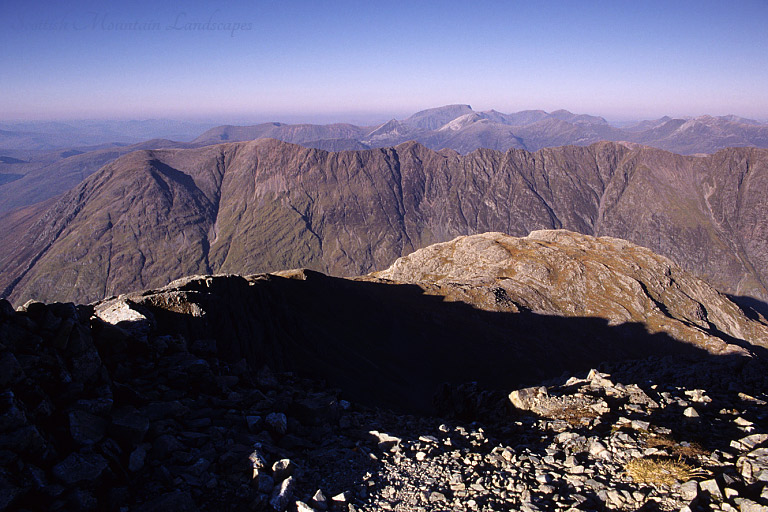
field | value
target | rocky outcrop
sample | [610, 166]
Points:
[153, 216]
[195, 396]
[98, 417]
[653, 435]
[551, 302]
[95, 417]
[568, 274]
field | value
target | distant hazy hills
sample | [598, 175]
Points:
[460, 128]
[50, 173]
[43, 159]
[50, 135]
[155, 215]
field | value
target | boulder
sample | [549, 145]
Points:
[79, 468]
[86, 428]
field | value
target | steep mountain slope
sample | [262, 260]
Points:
[152, 216]
[52, 174]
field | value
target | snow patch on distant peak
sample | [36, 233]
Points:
[461, 122]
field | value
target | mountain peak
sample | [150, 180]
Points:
[392, 129]
[434, 118]
[462, 122]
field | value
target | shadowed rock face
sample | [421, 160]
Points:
[538, 306]
[153, 216]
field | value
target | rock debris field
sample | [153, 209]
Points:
[96, 418]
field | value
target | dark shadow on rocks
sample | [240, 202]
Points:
[731, 382]
[173, 379]
[392, 345]
[721, 389]
[751, 306]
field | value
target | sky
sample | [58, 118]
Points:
[360, 61]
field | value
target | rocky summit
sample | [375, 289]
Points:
[556, 272]
[552, 372]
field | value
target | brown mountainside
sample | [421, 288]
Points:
[28, 176]
[152, 216]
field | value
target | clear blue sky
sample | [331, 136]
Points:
[349, 59]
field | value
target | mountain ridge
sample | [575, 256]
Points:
[528, 129]
[155, 215]
[491, 287]
[28, 176]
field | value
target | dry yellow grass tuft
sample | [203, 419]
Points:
[576, 415]
[660, 471]
[687, 450]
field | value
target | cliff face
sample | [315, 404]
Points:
[153, 216]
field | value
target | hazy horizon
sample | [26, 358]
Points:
[356, 118]
[345, 62]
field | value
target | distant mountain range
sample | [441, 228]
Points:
[155, 215]
[49, 173]
[42, 160]
[51, 135]
[460, 128]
